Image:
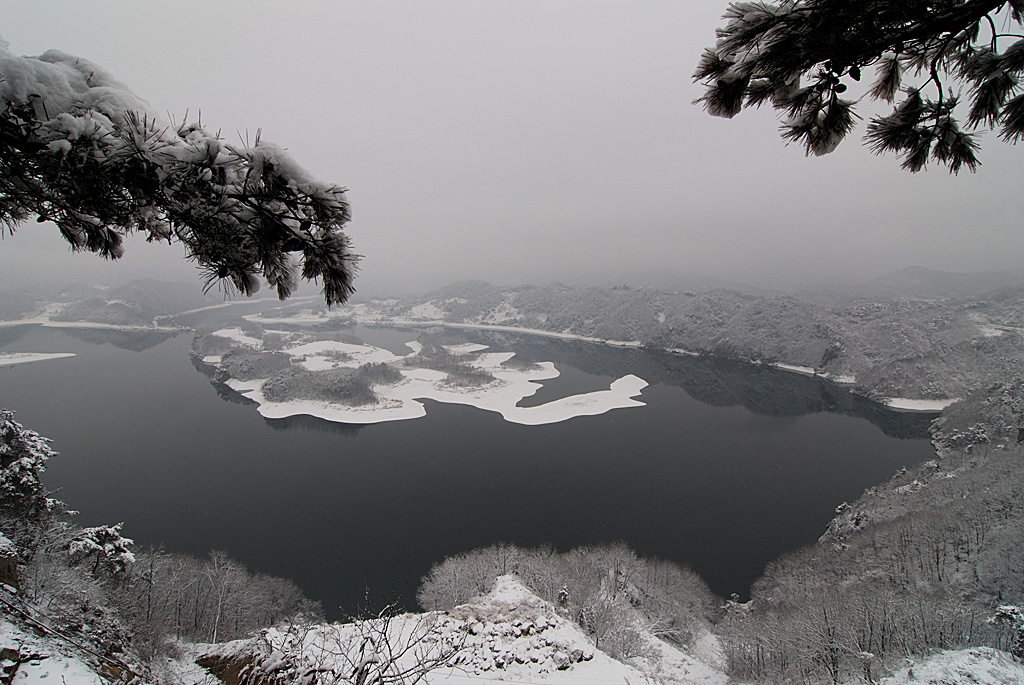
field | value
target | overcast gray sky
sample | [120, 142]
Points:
[525, 141]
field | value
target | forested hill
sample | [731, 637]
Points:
[135, 304]
[921, 347]
[915, 333]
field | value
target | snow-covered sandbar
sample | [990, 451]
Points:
[12, 358]
[904, 404]
[803, 370]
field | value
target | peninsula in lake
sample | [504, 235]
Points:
[292, 373]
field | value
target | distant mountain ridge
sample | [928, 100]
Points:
[136, 303]
[914, 347]
[919, 281]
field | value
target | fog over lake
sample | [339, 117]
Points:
[727, 466]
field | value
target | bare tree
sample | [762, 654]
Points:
[383, 649]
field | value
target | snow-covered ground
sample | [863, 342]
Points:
[509, 635]
[400, 401]
[239, 337]
[974, 666]
[42, 661]
[685, 353]
[992, 329]
[12, 358]
[433, 316]
[317, 355]
[427, 311]
[530, 331]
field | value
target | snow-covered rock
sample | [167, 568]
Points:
[507, 635]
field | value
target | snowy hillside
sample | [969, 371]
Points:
[508, 635]
[31, 659]
[978, 666]
[892, 346]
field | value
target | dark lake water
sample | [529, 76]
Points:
[726, 467]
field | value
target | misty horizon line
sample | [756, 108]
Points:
[667, 282]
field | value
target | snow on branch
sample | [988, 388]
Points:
[105, 546]
[956, 50]
[78, 148]
[23, 457]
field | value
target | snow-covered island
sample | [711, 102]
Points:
[291, 374]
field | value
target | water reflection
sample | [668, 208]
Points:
[132, 340]
[304, 422]
[12, 334]
[228, 395]
[764, 390]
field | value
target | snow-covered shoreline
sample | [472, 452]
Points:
[362, 316]
[48, 323]
[906, 404]
[225, 305]
[441, 323]
[402, 401]
[45, 318]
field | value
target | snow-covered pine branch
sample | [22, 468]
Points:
[802, 55]
[78, 148]
[1011, 618]
[23, 457]
[105, 546]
